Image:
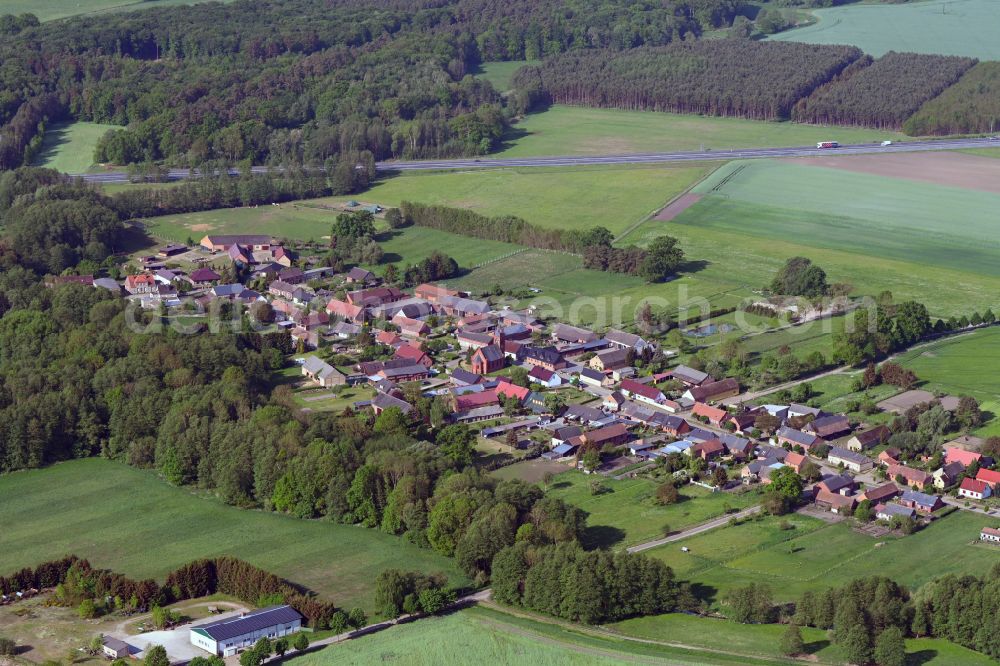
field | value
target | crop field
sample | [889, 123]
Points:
[48, 10]
[945, 27]
[577, 130]
[816, 555]
[69, 147]
[625, 514]
[874, 232]
[963, 365]
[126, 519]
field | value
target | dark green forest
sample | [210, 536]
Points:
[300, 81]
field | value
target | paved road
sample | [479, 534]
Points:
[642, 158]
[697, 529]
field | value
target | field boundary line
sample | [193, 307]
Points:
[628, 230]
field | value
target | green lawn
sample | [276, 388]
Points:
[69, 147]
[500, 73]
[48, 10]
[577, 130]
[815, 555]
[626, 514]
[964, 365]
[946, 27]
[873, 232]
[128, 520]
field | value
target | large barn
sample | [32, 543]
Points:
[226, 637]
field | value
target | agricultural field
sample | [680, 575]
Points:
[625, 513]
[69, 147]
[49, 10]
[814, 555]
[963, 365]
[578, 130]
[94, 508]
[867, 222]
[945, 27]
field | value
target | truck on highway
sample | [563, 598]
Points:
[828, 144]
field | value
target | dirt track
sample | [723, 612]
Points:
[677, 206]
[972, 172]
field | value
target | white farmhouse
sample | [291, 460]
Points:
[226, 637]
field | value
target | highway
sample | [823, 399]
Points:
[596, 160]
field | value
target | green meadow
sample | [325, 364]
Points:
[814, 555]
[500, 73]
[963, 365]
[575, 198]
[764, 641]
[130, 521]
[494, 634]
[490, 635]
[946, 27]
[69, 147]
[625, 513]
[577, 130]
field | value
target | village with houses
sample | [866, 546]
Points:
[566, 396]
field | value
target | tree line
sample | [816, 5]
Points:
[77, 582]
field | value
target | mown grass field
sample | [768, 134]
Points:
[48, 10]
[946, 27]
[963, 365]
[129, 521]
[575, 130]
[69, 147]
[815, 555]
[625, 514]
[873, 232]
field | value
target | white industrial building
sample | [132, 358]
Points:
[227, 637]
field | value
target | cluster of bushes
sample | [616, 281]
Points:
[747, 79]
[398, 592]
[586, 586]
